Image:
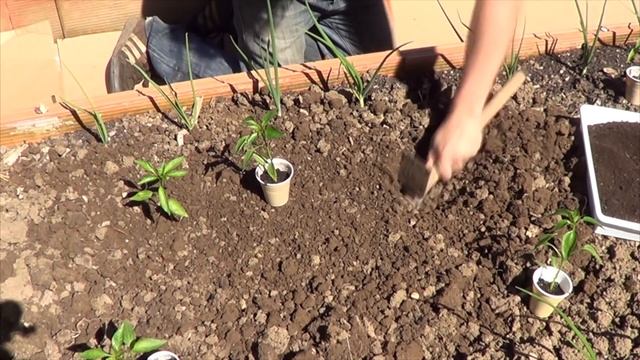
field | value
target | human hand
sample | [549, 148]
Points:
[456, 141]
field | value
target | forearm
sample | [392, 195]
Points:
[492, 28]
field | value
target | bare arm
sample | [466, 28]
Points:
[460, 136]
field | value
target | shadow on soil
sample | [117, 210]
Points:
[11, 324]
[81, 123]
[230, 170]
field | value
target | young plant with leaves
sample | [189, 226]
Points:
[256, 146]
[566, 229]
[155, 182]
[125, 345]
[270, 63]
[586, 348]
[513, 61]
[359, 87]
[188, 119]
[101, 128]
[636, 48]
[588, 50]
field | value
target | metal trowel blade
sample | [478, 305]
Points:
[413, 177]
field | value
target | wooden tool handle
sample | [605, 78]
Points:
[490, 110]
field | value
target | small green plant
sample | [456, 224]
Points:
[155, 182]
[636, 48]
[588, 50]
[101, 128]
[188, 119]
[359, 87]
[125, 345]
[513, 61]
[568, 224]
[256, 146]
[586, 348]
[270, 63]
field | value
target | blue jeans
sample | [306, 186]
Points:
[354, 26]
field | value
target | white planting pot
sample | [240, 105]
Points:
[547, 273]
[276, 194]
[632, 92]
[163, 355]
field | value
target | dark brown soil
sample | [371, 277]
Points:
[549, 289]
[616, 157]
[344, 270]
[280, 177]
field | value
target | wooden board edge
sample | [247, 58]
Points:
[26, 126]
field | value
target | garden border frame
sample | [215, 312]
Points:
[28, 126]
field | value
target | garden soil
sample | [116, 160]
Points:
[343, 271]
[616, 156]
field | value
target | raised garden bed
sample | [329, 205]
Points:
[343, 270]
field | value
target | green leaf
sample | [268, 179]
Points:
[144, 345]
[173, 164]
[271, 170]
[142, 195]
[241, 143]
[94, 354]
[251, 123]
[593, 251]
[128, 333]
[560, 224]
[177, 209]
[177, 173]
[164, 200]
[195, 110]
[568, 243]
[544, 239]
[246, 159]
[146, 166]
[267, 117]
[564, 213]
[271, 133]
[148, 179]
[589, 220]
[116, 340]
[101, 127]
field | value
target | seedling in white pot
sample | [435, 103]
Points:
[632, 92]
[273, 174]
[550, 282]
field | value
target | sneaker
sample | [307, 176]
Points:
[131, 47]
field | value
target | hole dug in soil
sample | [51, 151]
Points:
[342, 271]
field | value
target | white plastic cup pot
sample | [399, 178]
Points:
[276, 194]
[632, 91]
[163, 355]
[547, 273]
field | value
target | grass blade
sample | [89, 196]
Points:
[587, 348]
[375, 74]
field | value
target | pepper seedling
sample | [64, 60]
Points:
[125, 345]
[567, 225]
[154, 183]
[256, 146]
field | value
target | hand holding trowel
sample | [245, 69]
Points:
[414, 177]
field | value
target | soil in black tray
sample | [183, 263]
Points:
[616, 157]
[281, 175]
[546, 286]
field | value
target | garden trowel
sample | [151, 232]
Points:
[414, 177]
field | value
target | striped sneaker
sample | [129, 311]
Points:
[131, 47]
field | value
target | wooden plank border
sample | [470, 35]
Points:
[27, 126]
